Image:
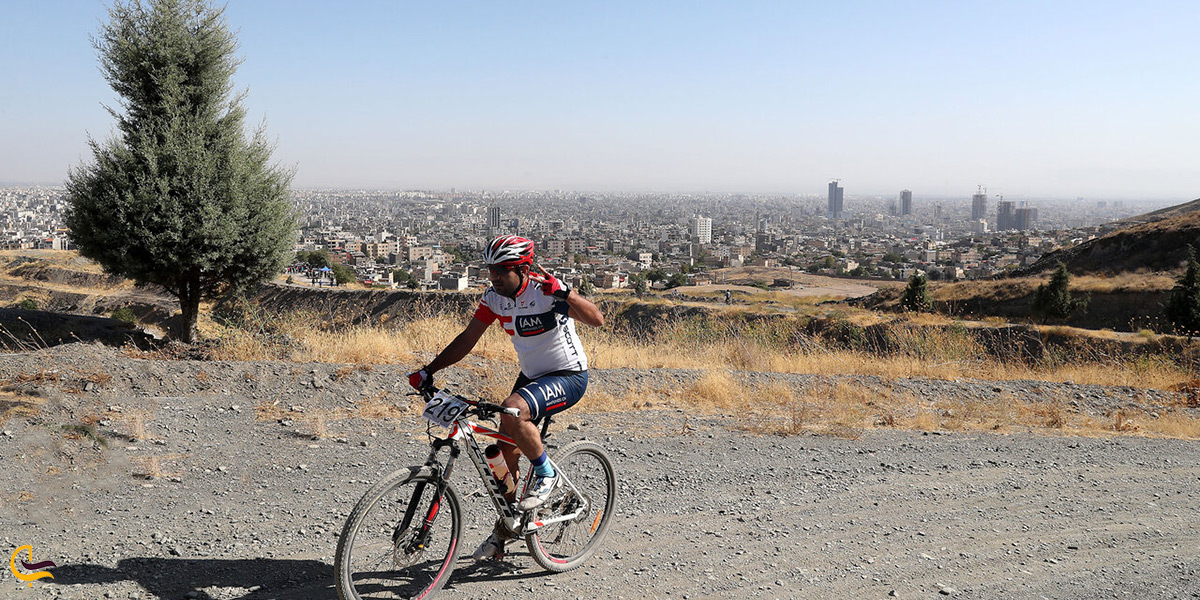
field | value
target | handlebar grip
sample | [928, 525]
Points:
[515, 412]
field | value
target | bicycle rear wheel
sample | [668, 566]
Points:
[592, 494]
[384, 550]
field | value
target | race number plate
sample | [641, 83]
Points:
[443, 409]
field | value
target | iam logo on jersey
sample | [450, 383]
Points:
[527, 325]
[29, 566]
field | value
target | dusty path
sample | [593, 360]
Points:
[250, 508]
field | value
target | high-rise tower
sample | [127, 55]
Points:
[905, 202]
[836, 206]
[702, 229]
[493, 221]
[1005, 215]
[979, 204]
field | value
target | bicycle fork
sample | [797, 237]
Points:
[442, 474]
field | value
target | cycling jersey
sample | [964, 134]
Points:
[542, 333]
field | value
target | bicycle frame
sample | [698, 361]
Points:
[466, 430]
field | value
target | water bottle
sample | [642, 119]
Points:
[499, 468]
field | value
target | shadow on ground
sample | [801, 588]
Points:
[25, 330]
[246, 579]
[252, 579]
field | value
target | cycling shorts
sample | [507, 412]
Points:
[551, 393]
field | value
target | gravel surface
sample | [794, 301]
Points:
[256, 465]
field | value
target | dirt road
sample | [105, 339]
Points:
[247, 504]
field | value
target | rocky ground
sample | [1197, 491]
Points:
[185, 479]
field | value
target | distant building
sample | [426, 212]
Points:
[1025, 218]
[764, 242]
[1005, 215]
[836, 205]
[453, 281]
[575, 246]
[639, 256]
[979, 205]
[493, 219]
[702, 229]
[556, 247]
[413, 253]
[905, 202]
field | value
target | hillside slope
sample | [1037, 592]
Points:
[1157, 242]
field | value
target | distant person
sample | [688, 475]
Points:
[728, 297]
[539, 313]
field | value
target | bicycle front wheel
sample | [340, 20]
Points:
[588, 498]
[387, 551]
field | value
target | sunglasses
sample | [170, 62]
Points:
[499, 269]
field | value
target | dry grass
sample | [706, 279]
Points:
[912, 346]
[1124, 282]
[846, 409]
[599, 399]
[133, 423]
[1190, 391]
[99, 378]
[918, 352]
[153, 467]
[20, 406]
[919, 345]
[344, 372]
[314, 423]
[302, 338]
[994, 290]
[1013, 288]
[717, 390]
[43, 376]
[840, 410]
[380, 406]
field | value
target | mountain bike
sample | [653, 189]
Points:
[402, 539]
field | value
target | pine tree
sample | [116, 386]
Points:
[1054, 299]
[916, 295]
[638, 282]
[1183, 305]
[180, 197]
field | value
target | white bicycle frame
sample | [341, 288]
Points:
[465, 430]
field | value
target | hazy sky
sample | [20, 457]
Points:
[1033, 99]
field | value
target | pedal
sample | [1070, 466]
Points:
[507, 530]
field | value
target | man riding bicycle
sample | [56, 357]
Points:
[539, 313]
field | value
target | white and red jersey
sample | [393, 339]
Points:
[542, 333]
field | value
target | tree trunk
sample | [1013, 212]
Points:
[189, 304]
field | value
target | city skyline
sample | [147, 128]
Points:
[1034, 100]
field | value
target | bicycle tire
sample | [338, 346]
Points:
[369, 560]
[560, 547]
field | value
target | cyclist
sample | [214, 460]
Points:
[539, 312]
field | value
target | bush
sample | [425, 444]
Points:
[1054, 300]
[916, 295]
[1183, 305]
[343, 274]
[27, 304]
[124, 314]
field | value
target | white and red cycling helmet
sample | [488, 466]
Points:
[508, 251]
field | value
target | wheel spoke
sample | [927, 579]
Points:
[372, 561]
[566, 544]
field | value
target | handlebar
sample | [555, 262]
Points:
[483, 408]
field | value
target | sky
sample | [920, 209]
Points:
[1040, 99]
